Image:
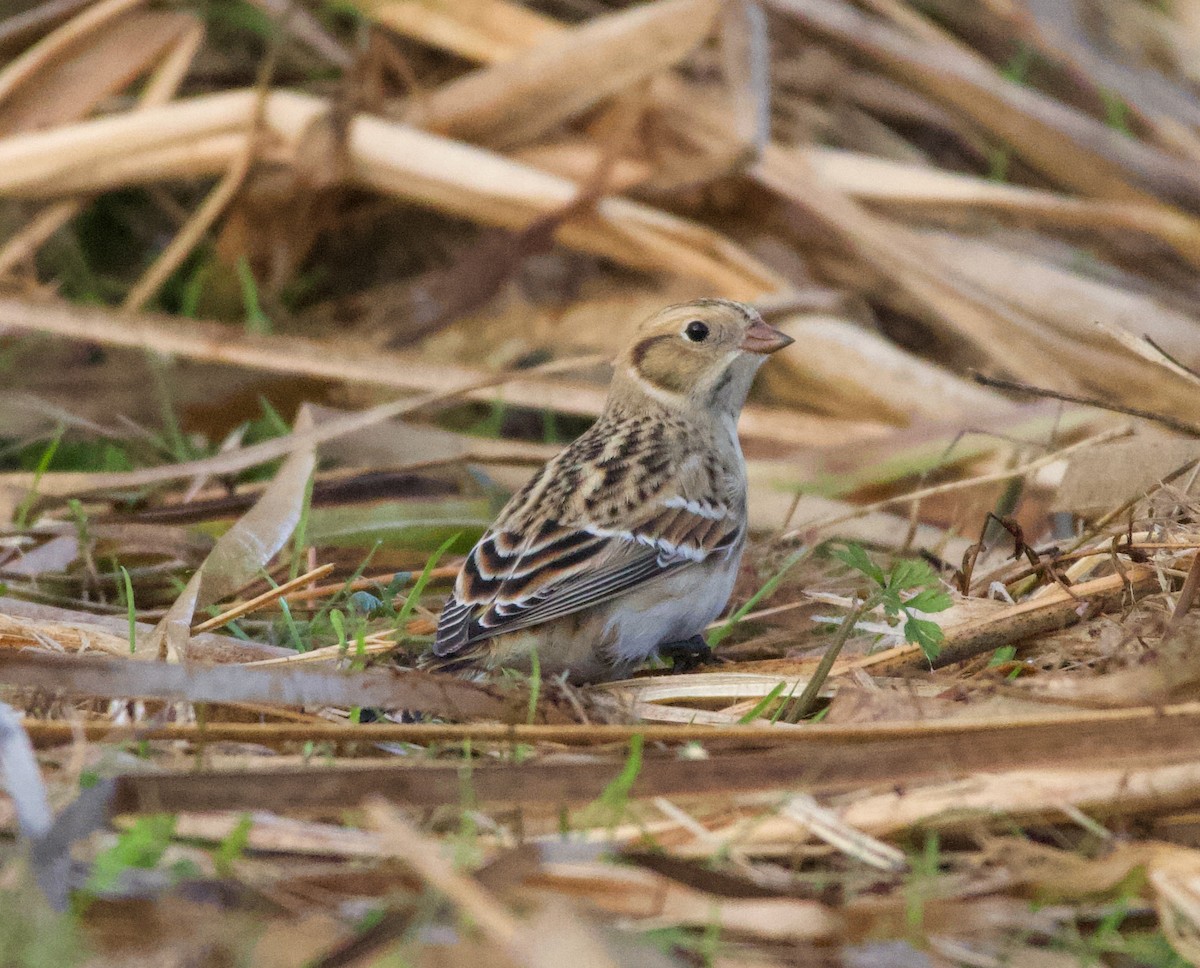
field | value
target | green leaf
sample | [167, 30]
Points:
[142, 846]
[21, 517]
[233, 846]
[930, 600]
[1002, 655]
[257, 322]
[338, 621]
[909, 574]
[855, 557]
[928, 635]
[891, 601]
[614, 799]
[761, 706]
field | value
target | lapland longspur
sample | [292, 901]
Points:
[627, 543]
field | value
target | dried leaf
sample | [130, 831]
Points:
[58, 81]
[241, 552]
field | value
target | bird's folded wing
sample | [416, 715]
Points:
[512, 581]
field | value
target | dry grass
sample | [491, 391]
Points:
[292, 294]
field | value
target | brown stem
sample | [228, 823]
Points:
[802, 706]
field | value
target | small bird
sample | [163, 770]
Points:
[626, 544]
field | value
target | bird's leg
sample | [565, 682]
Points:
[687, 654]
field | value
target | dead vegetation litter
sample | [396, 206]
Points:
[292, 294]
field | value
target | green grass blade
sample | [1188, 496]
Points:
[761, 706]
[718, 635]
[43, 464]
[535, 685]
[131, 609]
[414, 596]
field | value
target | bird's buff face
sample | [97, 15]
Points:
[700, 355]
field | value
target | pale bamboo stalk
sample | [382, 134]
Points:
[1013, 797]
[204, 157]
[436, 172]
[490, 32]
[826, 825]
[73, 157]
[814, 736]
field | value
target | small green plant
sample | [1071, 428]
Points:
[173, 442]
[130, 608]
[614, 799]
[338, 621]
[1116, 112]
[142, 846]
[21, 518]
[233, 846]
[257, 322]
[467, 852]
[763, 704]
[1018, 66]
[418, 589]
[550, 432]
[79, 516]
[923, 871]
[492, 425]
[705, 947]
[535, 685]
[908, 587]
[293, 630]
[192, 280]
[1002, 655]
[1112, 935]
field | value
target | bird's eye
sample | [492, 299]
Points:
[696, 331]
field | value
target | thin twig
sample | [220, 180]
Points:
[308, 595]
[259, 601]
[993, 478]
[1179, 426]
[801, 707]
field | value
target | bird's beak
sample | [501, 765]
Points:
[763, 339]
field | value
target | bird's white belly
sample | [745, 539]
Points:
[669, 610]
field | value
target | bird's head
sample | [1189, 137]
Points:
[699, 356]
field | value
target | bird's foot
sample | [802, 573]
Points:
[687, 654]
